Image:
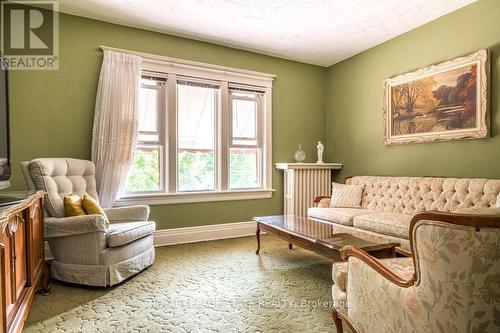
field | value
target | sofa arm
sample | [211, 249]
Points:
[322, 202]
[74, 225]
[128, 214]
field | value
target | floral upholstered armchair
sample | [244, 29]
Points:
[453, 283]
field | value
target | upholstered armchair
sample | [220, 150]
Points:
[452, 283]
[86, 249]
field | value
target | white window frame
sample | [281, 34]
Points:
[260, 93]
[227, 77]
[160, 143]
[217, 115]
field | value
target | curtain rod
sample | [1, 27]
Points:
[189, 63]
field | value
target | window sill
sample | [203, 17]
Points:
[192, 197]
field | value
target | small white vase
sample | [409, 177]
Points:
[300, 155]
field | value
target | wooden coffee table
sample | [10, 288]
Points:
[318, 237]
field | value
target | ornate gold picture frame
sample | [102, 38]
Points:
[448, 101]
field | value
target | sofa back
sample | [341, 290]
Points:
[407, 195]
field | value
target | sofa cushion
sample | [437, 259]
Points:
[391, 224]
[339, 299]
[346, 196]
[370, 235]
[403, 267]
[73, 205]
[337, 215]
[119, 234]
[481, 211]
[91, 206]
[339, 274]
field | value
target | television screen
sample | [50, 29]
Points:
[4, 131]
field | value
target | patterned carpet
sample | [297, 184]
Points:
[217, 286]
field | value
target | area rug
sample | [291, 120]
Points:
[216, 286]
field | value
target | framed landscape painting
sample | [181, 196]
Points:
[448, 101]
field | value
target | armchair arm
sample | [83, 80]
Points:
[74, 225]
[129, 213]
[322, 201]
[349, 251]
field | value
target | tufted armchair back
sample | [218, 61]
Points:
[60, 177]
[407, 195]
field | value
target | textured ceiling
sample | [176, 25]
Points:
[321, 32]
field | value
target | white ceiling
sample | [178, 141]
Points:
[321, 32]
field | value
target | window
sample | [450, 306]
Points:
[145, 174]
[245, 148]
[196, 115]
[200, 137]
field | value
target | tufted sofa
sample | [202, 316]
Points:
[388, 204]
[86, 249]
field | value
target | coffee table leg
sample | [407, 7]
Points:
[258, 239]
[290, 246]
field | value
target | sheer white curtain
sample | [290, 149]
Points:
[115, 123]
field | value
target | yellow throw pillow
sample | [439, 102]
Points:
[73, 205]
[91, 206]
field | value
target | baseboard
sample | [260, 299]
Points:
[203, 233]
[193, 234]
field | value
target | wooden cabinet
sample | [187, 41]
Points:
[22, 267]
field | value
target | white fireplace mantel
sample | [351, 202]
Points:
[304, 182]
[288, 166]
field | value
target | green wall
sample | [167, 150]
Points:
[52, 111]
[355, 100]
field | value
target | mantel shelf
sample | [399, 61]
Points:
[315, 166]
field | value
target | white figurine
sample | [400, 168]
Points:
[320, 152]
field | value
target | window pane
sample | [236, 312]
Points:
[148, 137]
[244, 168]
[148, 110]
[196, 110]
[243, 94]
[152, 81]
[144, 174]
[244, 118]
[245, 142]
